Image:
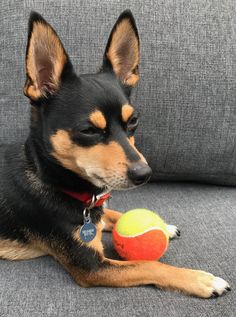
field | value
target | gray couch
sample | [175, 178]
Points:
[187, 98]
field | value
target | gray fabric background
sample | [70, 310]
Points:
[206, 216]
[187, 93]
[187, 96]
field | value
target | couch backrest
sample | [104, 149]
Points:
[187, 92]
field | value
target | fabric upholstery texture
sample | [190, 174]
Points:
[206, 216]
[187, 98]
[187, 90]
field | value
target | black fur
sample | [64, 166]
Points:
[32, 204]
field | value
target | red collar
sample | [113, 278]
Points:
[87, 198]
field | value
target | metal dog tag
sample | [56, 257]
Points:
[88, 230]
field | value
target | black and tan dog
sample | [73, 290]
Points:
[81, 144]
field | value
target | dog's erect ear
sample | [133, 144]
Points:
[45, 59]
[122, 51]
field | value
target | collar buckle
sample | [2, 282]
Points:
[98, 200]
[89, 201]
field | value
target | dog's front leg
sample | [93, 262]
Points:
[132, 273]
[89, 267]
[109, 218]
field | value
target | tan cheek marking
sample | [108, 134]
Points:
[101, 159]
[126, 112]
[97, 118]
[99, 156]
[132, 143]
[63, 149]
[64, 152]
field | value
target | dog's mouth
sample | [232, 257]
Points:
[118, 183]
[136, 176]
[119, 176]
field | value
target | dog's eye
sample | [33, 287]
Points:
[87, 135]
[89, 131]
[133, 122]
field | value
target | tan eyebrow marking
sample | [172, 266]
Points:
[126, 112]
[97, 118]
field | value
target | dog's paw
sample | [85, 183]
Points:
[173, 231]
[206, 285]
[220, 286]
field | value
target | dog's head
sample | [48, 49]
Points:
[86, 123]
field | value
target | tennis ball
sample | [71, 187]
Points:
[140, 234]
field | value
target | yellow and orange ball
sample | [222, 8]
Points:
[140, 234]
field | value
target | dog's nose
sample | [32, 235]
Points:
[139, 173]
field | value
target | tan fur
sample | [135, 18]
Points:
[132, 80]
[96, 243]
[31, 90]
[125, 67]
[126, 112]
[113, 272]
[132, 143]
[44, 43]
[13, 250]
[133, 273]
[102, 160]
[97, 119]
[110, 217]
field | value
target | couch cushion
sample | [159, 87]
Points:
[187, 91]
[206, 216]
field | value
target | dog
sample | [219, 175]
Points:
[80, 147]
